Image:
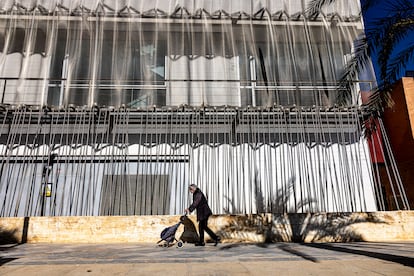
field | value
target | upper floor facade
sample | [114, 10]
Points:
[142, 53]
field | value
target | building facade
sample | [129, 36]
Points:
[115, 107]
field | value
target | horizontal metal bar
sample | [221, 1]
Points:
[65, 159]
[321, 83]
[170, 20]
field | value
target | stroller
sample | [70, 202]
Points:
[168, 235]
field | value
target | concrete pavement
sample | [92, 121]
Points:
[225, 259]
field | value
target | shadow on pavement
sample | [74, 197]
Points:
[7, 247]
[407, 261]
[234, 245]
[284, 247]
[287, 248]
[6, 260]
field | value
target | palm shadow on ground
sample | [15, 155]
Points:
[277, 223]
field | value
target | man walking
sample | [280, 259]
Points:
[203, 212]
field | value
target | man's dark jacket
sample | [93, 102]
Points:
[201, 205]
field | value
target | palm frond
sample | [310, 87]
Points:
[381, 39]
[360, 57]
[315, 6]
[398, 21]
[396, 65]
[399, 6]
[379, 99]
[397, 25]
[395, 33]
[356, 64]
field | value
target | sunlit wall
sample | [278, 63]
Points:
[115, 107]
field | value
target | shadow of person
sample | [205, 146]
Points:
[189, 234]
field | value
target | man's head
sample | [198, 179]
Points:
[192, 188]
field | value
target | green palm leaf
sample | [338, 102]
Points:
[356, 64]
[396, 65]
[315, 6]
[387, 38]
[381, 40]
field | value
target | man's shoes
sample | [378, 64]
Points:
[217, 240]
[199, 244]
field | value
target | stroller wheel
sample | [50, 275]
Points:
[166, 244]
[180, 244]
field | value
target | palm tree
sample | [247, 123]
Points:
[381, 41]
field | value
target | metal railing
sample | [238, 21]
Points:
[55, 91]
